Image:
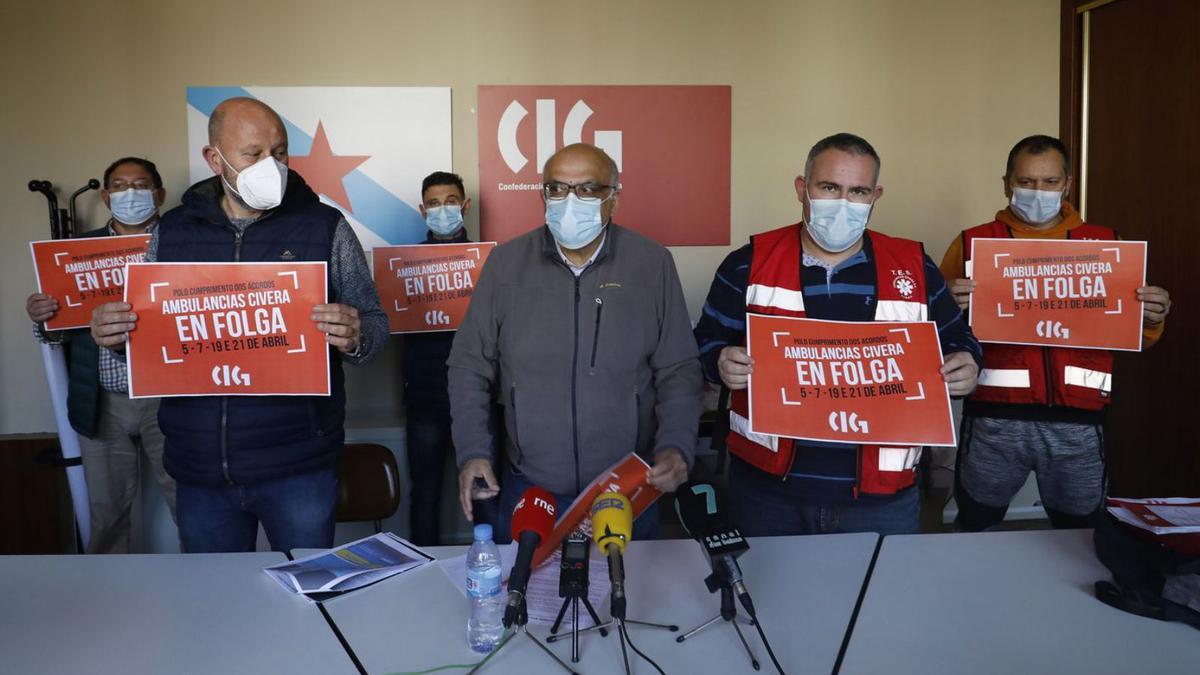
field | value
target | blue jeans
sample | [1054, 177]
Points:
[766, 507]
[427, 442]
[296, 511]
[515, 484]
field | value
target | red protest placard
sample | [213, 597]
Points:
[1058, 292]
[83, 274]
[427, 287]
[848, 382]
[627, 476]
[230, 329]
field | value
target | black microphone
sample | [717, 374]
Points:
[703, 513]
[532, 521]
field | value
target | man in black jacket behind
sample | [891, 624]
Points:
[444, 204]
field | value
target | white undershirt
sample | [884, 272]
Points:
[577, 270]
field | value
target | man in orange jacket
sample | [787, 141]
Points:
[1037, 409]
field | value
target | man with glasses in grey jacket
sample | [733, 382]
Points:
[581, 328]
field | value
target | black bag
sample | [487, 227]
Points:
[1144, 570]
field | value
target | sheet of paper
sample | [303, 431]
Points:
[1175, 516]
[541, 595]
[543, 599]
[1179, 516]
[354, 565]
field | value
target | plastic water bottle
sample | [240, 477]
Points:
[485, 624]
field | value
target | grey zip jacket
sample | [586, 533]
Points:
[588, 368]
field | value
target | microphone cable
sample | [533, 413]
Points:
[763, 636]
[505, 637]
[647, 659]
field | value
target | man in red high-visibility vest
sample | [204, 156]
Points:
[1037, 409]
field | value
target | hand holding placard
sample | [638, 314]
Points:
[1156, 304]
[111, 324]
[341, 325]
[735, 366]
[40, 307]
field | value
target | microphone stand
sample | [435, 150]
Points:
[522, 627]
[616, 570]
[728, 614]
[574, 596]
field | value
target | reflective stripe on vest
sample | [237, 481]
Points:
[1091, 379]
[787, 299]
[742, 426]
[998, 377]
[898, 459]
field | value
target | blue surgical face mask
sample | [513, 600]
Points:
[132, 207]
[444, 220]
[575, 223]
[835, 224]
[1036, 207]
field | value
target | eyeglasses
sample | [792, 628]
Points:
[121, 186]
[586, 192]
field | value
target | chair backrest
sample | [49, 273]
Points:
[368, 483]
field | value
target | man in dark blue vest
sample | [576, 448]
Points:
[240, 461]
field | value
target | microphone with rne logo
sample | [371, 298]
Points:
[532, 521]
[699, 507]
[612, 528]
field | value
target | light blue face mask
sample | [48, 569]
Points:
[575, 223]
[835, 224]
[444, 220]
[1036, 207]
[132, 207]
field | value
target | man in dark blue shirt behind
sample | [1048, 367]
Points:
[835, 270]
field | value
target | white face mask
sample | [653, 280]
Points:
[835, 224]
[132, 207]
[260, 185]
[575, 223]
[1036, 207]
[444, 220]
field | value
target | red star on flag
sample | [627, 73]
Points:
[324, 171]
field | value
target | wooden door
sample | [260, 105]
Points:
[1131, 116]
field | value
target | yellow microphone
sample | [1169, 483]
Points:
[612, 528]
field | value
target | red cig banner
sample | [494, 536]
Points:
[848, 382]
[1058, 293]
[665, 139]
[230, 329]
[83, 274]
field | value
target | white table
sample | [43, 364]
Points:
[153, 614]
[1006, 603]
[804, 590]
